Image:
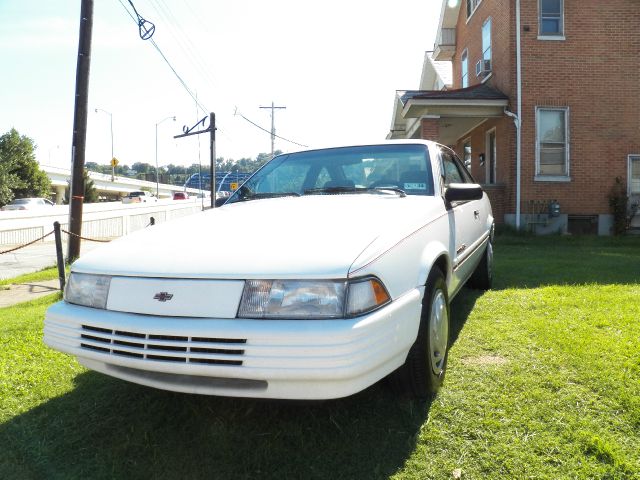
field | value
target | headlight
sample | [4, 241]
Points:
[311, 299]
[88, 290]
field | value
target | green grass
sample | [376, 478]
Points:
[50, 273]
[543, 382]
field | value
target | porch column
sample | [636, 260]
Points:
[59, 194]
[429, 129]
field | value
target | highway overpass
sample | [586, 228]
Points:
[112, 190]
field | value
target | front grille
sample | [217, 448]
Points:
[163, 348]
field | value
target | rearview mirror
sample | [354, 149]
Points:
[463, 192]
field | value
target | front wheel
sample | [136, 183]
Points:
[423, 372]
[482, 277]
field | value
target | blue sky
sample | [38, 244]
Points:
[334, 64]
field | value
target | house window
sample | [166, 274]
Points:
[486, 40]
[464, 69]
[551, 18]
[471, 6]
[491, 157]
[552, 143]
[634, 175]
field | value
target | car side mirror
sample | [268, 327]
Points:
[463, 192]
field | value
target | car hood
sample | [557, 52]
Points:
[316, 236]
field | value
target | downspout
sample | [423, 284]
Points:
[518, 119]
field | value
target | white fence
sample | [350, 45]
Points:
[99, 220]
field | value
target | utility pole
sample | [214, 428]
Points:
[78, 145]
[273, 126]
[211, 130]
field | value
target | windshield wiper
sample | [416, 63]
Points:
[397, 190]
[343, 189]
[261, 195]
[349, 189]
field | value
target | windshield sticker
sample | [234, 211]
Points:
[415, 186]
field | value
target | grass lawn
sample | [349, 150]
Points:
[49, 273]
[543, 382]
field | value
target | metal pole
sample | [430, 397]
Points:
[157, 183]
[212, 145]
[80, 128]
[60, 258]
[113, 167]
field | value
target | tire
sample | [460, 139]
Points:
[423, 371]
[482, 277]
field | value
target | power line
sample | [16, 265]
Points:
[140, 21]
[265, 130]
[155, 45]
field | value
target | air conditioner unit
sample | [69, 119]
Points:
[483, 68]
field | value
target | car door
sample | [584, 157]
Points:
[464, 220]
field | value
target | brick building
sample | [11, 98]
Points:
[543, 104]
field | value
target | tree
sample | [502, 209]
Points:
[90, 191]
[20, 174]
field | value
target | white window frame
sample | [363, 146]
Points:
[551, 36]
[474, 6]
[567, 153]
[464, 61]
[631, 158]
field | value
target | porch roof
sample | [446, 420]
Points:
[458, 111]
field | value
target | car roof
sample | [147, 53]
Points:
[372, 144]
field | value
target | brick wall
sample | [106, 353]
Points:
[595, 72]
[429, 129]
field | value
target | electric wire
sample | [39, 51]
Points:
[268, 131]
[182, 82]
[182, 40]
[155, 45]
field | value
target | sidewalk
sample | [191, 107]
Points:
[26, 292]
[34, 257]
[28, 260]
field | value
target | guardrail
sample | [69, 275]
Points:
[100, 221]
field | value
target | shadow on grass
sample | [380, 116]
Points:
[109, 428]
[460, 310]
[530, 262]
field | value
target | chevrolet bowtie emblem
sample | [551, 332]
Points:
[163, 296]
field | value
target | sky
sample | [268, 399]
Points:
[335, 65]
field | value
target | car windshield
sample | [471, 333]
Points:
[391, 169]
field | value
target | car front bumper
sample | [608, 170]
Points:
[294, 359]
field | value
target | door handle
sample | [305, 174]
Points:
[476, 214]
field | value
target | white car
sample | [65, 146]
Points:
[28, 204]
[327, 271]
[141, 196]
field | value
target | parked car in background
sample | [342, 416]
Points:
[180, 196]
[28, 204]
[331, 270]
[141, 196]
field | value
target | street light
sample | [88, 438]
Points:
[113, 172]
[157, 182]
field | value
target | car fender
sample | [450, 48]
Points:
[432, 253]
